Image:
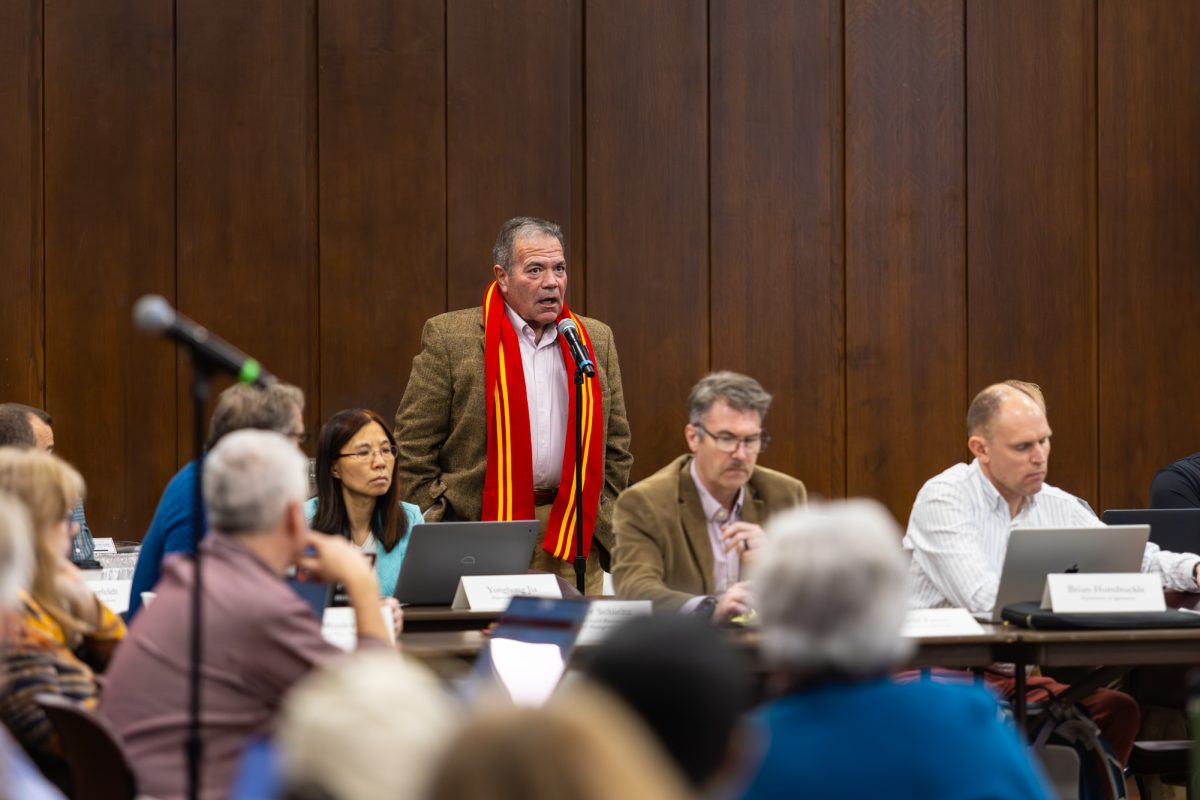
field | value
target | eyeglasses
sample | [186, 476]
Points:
[364, 454]
[728, 443]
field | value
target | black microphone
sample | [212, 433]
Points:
[568, 330]
[153, 314]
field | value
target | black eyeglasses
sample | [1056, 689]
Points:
[728, 443]
[368, 454]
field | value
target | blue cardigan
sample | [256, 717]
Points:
[387, 565]
[170, 532]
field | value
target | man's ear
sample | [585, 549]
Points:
[501, 277]
[978, 447]
[692, 436]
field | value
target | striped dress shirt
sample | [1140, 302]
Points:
[958, 534]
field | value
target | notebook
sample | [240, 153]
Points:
[440, 553]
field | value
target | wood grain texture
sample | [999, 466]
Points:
[647, 208]
[21, 254]
[1149, 126]
[1031, 243]
[109, 180]
[382, 195]
[776, 305]
[247, 226]
[514, 125]
[905, 273]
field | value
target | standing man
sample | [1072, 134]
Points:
[486, 428]
[685, 533]
[26, 426]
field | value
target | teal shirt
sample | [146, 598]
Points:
[387, 564]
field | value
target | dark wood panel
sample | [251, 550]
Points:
[647, 207]
[514, 132]
[247, 183]
[1031, 235]
[1149, 126]
[109, 238]
[382, 195]
[905, 273]
[776, 305]
[21, 357]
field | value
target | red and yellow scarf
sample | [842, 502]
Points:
[508, 486]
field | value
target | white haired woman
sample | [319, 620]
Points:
[831, 589]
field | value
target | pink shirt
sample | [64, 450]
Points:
[727, 566]
[546, 391]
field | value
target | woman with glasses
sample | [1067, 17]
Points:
[62, 631]
[356, 491]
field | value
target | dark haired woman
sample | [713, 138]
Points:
[356, 491]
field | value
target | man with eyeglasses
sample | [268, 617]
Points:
[685, 534]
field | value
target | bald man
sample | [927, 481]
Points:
[960, 523]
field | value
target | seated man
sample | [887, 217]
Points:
[26, 426]
[1177, 485]
[684, 534]
[278, 408]
[260, 636]
[959, 527]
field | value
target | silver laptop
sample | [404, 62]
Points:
[1033, 553]
[440, 553]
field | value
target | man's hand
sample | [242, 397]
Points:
[745, 538]
[336, 561]
[734, 602]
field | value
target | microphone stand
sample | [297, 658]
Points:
[580, 560]
[201, 374]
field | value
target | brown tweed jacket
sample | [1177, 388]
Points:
[663, 552]
[441, 424]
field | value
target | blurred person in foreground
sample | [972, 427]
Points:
[19, 778]
[582, 745]
[64, 634]
[357, 493]
[688, 684]
[260, 637]
[831, 588]
[279, 408]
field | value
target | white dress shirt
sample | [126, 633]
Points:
[958, 534]
[727, 565]
[546, 391]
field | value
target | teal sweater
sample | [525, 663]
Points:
[387, 564]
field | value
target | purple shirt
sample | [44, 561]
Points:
[727, 565]
[259, 639]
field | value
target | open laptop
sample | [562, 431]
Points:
[1174, 529]
[440, 553]
[1034, 553]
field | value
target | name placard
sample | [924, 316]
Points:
[1102, 592]
[114, 594]
[492, 592]
[104, 545]
[605, 616]
[340, 629]
[931, 622]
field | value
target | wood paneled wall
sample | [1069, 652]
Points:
[876, 208]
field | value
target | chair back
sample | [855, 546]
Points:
[93, 751]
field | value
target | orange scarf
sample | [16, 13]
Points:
[508, 485]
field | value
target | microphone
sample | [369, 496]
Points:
[153, 314]
[569, 331]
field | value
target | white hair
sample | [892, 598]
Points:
[830, 585]
[16, 550]
[371, 727]
[250, 478]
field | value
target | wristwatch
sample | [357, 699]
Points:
[704, 609]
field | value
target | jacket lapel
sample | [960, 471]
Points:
[695, 526]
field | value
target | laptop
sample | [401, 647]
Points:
[1174, 529]
[439, 553]
[1033, 553]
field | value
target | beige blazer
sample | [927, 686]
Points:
[441, 424]
[663, 552]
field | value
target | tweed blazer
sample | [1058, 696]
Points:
[441, 424]
[663, 552]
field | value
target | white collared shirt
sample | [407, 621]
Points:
[546, 392]
[727, 565]
[958, 534]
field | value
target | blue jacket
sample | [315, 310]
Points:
[170, 532]
[387, 565]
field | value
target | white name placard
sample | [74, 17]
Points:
[339, 628]
[104, 545]
[930, 622]
[492, 592]
[1100, 592]
[114, 594]
[604, 616]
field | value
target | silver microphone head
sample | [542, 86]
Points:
[153, 314]
[567, 324]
